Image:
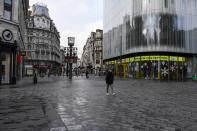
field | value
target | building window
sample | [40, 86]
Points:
[183, 4]
[8, 2]
[7, 9]
[166, 3]
[29, 47]
[97, 61]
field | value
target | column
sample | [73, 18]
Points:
[14, 66]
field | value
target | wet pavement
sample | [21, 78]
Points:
[58, 104]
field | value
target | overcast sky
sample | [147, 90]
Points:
[76, 18]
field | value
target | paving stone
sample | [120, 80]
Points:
[143, 105]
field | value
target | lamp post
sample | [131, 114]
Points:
[71, 42]
[0, 63]
[14, 62]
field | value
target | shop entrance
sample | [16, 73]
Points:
[5, 68]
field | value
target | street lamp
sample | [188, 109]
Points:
[71, 42]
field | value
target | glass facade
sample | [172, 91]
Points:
[134, 26]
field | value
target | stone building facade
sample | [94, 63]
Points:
[92, 52]
[13, 15]
[43, 42]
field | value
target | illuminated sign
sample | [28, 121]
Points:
[137, 58]
[145, 58]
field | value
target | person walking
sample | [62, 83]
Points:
[87, 74]
[109, 81]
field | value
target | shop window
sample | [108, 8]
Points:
[97, 61]
[8, 2]
[3, 57]
[7, 9]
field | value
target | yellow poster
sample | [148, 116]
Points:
[181, 58]
[123, 61]
[127, 60]
[29, 72]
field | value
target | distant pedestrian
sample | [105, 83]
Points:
[87, 74]
[35, 78]
[109, 81]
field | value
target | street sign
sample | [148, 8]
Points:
[70, 58]
[71, 41]
[23, 53]
[41, 66]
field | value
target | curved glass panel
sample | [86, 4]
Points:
[132, 26]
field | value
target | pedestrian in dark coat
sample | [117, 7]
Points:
[109, 81]
[87, 74]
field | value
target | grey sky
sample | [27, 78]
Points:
[75, 18]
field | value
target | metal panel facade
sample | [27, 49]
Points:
[132, 26]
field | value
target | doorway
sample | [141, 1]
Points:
[5, 68]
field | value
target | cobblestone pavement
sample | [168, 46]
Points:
[139, 105]
[22, 108]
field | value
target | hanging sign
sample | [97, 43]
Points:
[19, 59]
[23, 53]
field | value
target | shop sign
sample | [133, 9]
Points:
[127, 60]
[23, 53]
[19, 59]
[137, 58]
[181, 58]
[112, 62]
[165, 58]
[173, 58]
[155, 58]
[123, 61]
[41, 66]
[145, 58]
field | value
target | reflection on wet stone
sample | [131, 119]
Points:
[58, 129]
[140, 106]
